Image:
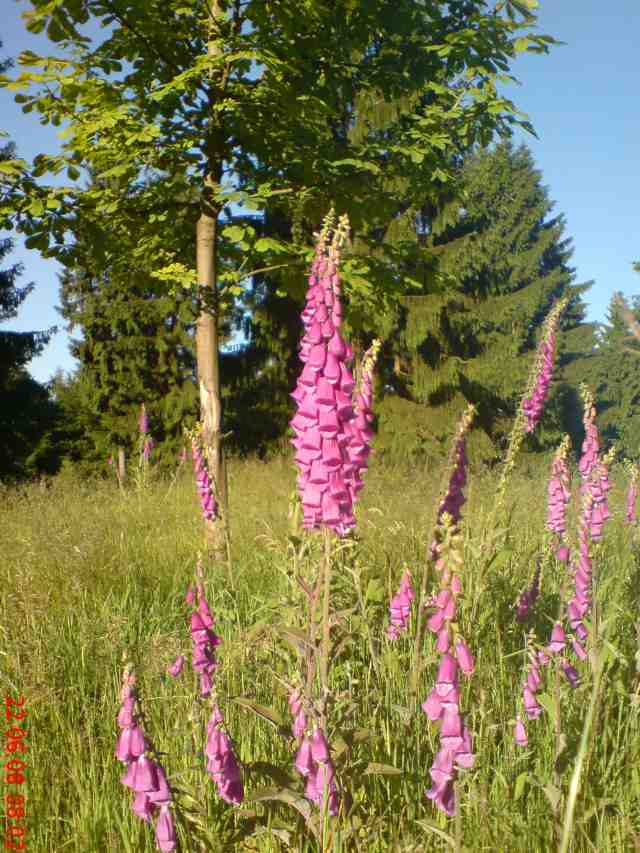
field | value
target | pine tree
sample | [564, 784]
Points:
[502, 261]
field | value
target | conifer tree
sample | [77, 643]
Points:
[502, 260]
[615, 376]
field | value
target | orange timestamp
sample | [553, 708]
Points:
[14, 765]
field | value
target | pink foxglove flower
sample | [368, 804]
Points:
[443, 703]
[313, 762]
[222, 765]
[400, 607]
[529, 596]
[533, 404]
[176, 667]
[360, 427]
[520, 732]
[144, 776]
[531, 686]
[165, 831]
[204, 641]
[571, 673]
[558, 639]
[332, 439]
[466, 660]
[203, 483]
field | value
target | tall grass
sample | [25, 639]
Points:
[90, 573]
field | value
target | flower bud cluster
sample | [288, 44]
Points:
[533, 404]
[144, 775]
[559, 494]
[454, 498]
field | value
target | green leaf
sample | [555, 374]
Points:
[521, 781]
[234, 232]
[547, 703]
[283, 795]
[374, 769]
[435, 830]
[361, 165]
[261, 711]
[375, 591]
[36, 208]
[552, 794]
[268, 244]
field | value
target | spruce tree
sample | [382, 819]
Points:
[502, 261]
[615, 377]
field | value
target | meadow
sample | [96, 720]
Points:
[92, 575]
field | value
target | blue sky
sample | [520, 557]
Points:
[582, 99]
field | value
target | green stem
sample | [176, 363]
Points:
[574, 785]
[420, 622]
[325, 650]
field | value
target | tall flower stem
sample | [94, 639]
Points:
[558, 741]
[574, 784]
[451, 505]
[363, 611]
[420, 623]
[530, 408]
[325, 651]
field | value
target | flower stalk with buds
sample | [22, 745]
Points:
[530, 410]
[144, 775]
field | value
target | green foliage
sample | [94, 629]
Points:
[268, 115]
[26, 410]
[28, 416]
[173, 114]
[613, 373]
[502, 261]
[135, 346]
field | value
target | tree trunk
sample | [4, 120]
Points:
[121, 469]
[207, 344]
[208, 326]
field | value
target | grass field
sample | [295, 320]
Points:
[90, 574]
